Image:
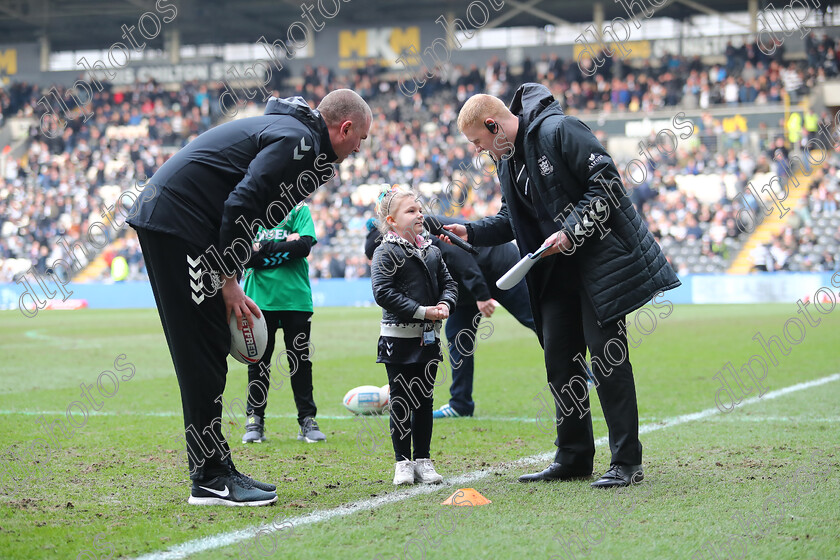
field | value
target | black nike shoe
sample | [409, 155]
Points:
[264, 486]
[228, 490]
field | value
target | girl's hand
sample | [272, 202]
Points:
[438, 312]
[443, 310]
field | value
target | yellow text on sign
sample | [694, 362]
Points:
[383, 42]
[638, 49]
[8, 62]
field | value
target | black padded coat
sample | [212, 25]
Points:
[576, 184]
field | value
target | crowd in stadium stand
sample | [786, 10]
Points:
[55, 190]
[58, 187]
[811, 238]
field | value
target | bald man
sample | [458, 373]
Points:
[195, 221]
[561, 189]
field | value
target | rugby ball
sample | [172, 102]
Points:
[366, 399]
[248, 345]
[385, 395]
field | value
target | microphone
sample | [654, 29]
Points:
[435, 228]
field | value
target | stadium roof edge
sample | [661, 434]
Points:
[97, 24]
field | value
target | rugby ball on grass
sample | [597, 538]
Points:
[366, 399]
[385, 395]
[248, 345]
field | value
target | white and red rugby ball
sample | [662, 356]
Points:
[385, 395]
[366, 399]
[248, 345]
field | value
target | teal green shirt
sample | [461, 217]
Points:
[284, 287]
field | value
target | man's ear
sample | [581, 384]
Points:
[345, 127]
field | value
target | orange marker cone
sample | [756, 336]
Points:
[466, 497]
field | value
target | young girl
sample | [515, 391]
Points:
[416, 292]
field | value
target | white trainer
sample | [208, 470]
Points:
[424, 471]
[404, 472]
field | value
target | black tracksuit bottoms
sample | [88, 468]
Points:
[410, 401]
[567, 327]
[198, 336]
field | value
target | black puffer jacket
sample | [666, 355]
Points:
[404, 278]
[575, 183]
[473, 273]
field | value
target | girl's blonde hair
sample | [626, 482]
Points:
[389, 200]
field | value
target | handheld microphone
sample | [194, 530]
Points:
[435, 228]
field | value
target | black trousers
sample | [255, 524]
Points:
[568, 326]
[410, 401]
[198, 336]
[460, 331]
[296, 326]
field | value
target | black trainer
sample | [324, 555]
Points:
[264, 486]
[228, 490]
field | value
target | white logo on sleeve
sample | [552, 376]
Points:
[220, 493]
[594, 159]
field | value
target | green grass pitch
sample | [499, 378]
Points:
[759, 482]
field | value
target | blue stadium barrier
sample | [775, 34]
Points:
[698, 288]
[123, 295]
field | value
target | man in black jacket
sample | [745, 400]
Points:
[561, 189]
[195, 222]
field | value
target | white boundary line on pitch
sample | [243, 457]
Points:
[173, 414]
[651, 419]
[195, 546]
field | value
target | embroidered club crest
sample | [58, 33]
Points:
[545, 166]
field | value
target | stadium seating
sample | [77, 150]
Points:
[57, 186]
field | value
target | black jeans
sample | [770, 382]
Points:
[411, 408]
[296, 327]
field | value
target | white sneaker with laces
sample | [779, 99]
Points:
[404, 472]
[424, 471]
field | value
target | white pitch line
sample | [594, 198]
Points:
[159, 414]
[174, 414]
[188, 548]
[750, 418]
[651, 419]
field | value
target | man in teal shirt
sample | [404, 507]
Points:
[278, 282]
